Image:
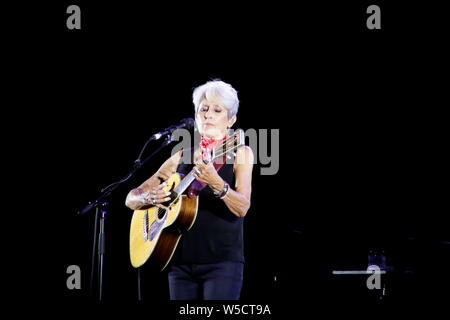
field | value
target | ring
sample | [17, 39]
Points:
[153, 200]
[198, 172]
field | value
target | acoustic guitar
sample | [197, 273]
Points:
[155, 232]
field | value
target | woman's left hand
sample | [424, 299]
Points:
[206, 173]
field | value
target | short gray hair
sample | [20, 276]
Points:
[226, 93]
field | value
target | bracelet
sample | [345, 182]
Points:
[225, 194]
[224, 191]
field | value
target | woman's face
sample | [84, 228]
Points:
[212, 118]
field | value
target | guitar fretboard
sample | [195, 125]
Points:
[184, 184]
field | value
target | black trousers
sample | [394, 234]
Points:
[216, 281]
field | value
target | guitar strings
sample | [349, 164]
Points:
[231, 139]
[225, 145]
[224, 153]
[228, 149]
[229, 145]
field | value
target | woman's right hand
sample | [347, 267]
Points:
[156, 196]
[151, 191]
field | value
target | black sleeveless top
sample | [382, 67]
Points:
[217, 234]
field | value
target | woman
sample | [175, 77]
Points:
[209, 260]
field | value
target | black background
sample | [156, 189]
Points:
[362, 139]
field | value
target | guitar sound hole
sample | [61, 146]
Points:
[161, 213]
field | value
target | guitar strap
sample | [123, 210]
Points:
[196, 186]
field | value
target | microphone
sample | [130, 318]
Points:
[185, 123]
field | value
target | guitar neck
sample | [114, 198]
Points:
[184, 184]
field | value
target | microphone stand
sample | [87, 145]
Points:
[100, 204]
